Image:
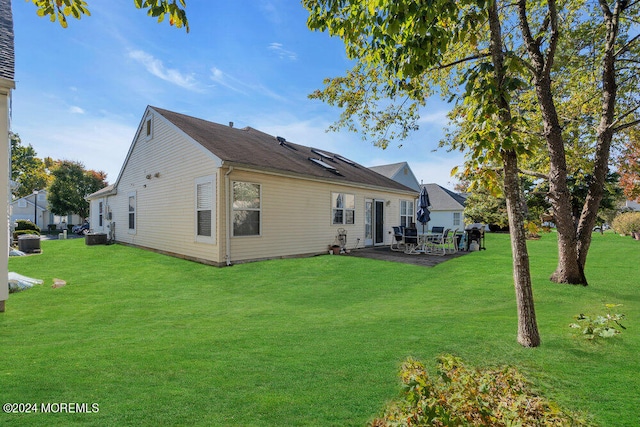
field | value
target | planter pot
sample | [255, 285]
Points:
[336, 250]
[636, 235]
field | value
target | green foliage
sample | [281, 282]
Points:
[463, 396]
[25, 224]
[27, 170]
[59, 10]
[483, 207]
[626, 223]
[600, 326]
[71, 184]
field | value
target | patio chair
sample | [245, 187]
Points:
[397, 244]
[437, 243]
[437, 230]
[411, 241]
[450, 241]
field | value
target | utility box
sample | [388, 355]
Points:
[29, 243]
[91, 239]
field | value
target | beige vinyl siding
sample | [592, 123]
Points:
[162, 170]
[297, 215]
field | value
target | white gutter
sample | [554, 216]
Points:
[227, 185]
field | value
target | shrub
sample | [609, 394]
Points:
[25, 224]
[22, 232]
[603, 325]
[462, 396]
[626, 223]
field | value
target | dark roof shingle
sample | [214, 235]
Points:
[253, 148]
[7, 52]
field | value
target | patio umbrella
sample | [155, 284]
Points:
[423, 215]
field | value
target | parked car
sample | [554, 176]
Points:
[81, 229]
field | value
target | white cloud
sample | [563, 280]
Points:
[76, 110]
[438, 117]
[281, 52]
[100, 143]
[157, 68]
[223, 79]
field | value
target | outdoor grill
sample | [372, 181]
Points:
[475, 232]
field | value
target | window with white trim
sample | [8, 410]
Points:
[247, 209]
[406, 213]
[343, 208]
[100, 214]
[205, 209]
[132, 212]
[457, 216]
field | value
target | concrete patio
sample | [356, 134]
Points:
[383, 253]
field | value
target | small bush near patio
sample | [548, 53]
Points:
[463, 396]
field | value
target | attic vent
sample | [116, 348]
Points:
[324, 165]
[283, 142]
[323, 154]
[347, 161]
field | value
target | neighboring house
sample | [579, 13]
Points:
[400, 172]
[31, 205]
[220, 195]
[7, 84]
[632, 205]
[446, 207]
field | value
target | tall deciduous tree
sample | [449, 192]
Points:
[396, 44]
[27, 170]
[59, 10]
[603, 29]
[71, 184]
[581, 58]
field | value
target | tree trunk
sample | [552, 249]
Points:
[568, 270]
[528, 335]
[605, 134]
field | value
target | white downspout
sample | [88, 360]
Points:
[227, 185]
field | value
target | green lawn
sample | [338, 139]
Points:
[155, 340]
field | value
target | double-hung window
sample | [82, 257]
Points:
[99, 214]
[406, 213]
[205, 209]
[343, 208]
[132, 212]
[247, 209]
[456, 219]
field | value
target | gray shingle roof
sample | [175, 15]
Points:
[7, 53]
[388, 170]
[444, 200]
[255, 149]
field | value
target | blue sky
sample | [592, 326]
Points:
[81, 91]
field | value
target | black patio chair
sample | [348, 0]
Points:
[398, 243]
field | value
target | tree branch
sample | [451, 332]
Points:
[626, 125]
[454, 63]
[533, 173]
[624, 48]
